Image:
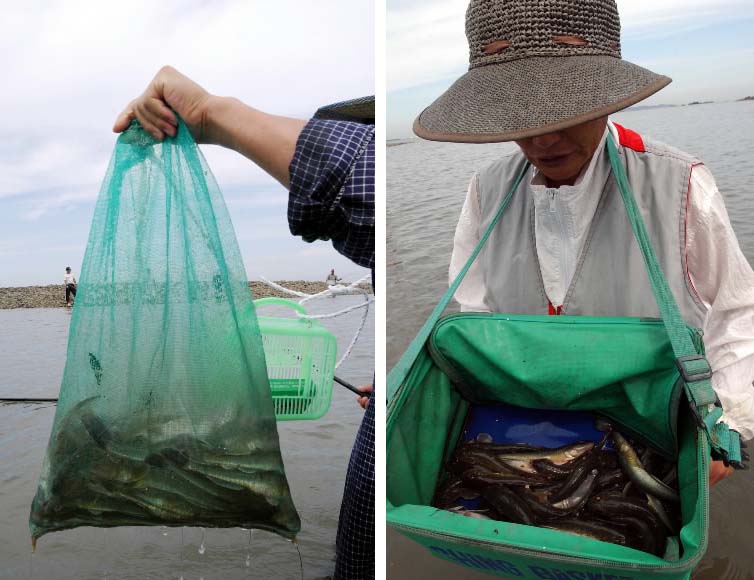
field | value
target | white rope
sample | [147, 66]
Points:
[356, 335]
[335, 290]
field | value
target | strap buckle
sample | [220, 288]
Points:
[735, 457]
[691, 376]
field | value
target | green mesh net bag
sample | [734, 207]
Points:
[165, 415]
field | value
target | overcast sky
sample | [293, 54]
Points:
[69, 67]
[705, 46]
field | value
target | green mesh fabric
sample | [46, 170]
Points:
[165, 415]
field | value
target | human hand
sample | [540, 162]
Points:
[364, 399]
[168, 90]
[718, 471]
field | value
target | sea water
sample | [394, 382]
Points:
[315, 453]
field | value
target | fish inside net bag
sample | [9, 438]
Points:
[165, 415]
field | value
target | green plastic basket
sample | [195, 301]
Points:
[300, 357]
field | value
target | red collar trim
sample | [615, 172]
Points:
[630, 139]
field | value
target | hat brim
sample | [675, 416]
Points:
[357, 110]
[533, 96]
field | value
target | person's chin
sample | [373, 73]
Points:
[562, 176]
[562, 171]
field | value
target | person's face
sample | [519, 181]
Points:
[561, 155]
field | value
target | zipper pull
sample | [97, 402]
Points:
[553, 208]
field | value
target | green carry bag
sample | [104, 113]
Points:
[649, 376]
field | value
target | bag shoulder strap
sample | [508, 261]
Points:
[694, 367]
[400, 371]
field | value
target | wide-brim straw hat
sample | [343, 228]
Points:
[536, 67]
[359, 110]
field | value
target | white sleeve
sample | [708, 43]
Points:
[723, 279]
[471, 292]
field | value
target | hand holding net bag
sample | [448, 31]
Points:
[165, 415]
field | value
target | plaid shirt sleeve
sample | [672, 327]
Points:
[332, 188]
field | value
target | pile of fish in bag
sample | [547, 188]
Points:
[624, 493]
[150, 470]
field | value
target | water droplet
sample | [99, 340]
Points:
[202, 549]
[484, 438]
[248, 550]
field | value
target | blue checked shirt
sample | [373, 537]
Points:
[332, 188]
[332, 198]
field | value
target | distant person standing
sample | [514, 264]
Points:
[70, 286]
[332, 278]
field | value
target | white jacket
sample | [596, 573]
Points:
[717, 268]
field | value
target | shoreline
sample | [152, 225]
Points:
[53, 296]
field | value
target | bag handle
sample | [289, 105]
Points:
[694, 368]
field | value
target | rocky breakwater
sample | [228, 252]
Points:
[53, 296]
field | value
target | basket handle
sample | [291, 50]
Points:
[279, 302]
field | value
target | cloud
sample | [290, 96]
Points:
[62, 202]
[69, 67]
[84, 54]
[277, 264]
[427, 41]
[51, 163]
[645, 18]
[251, 201]
[39, 245]
[268, 228]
